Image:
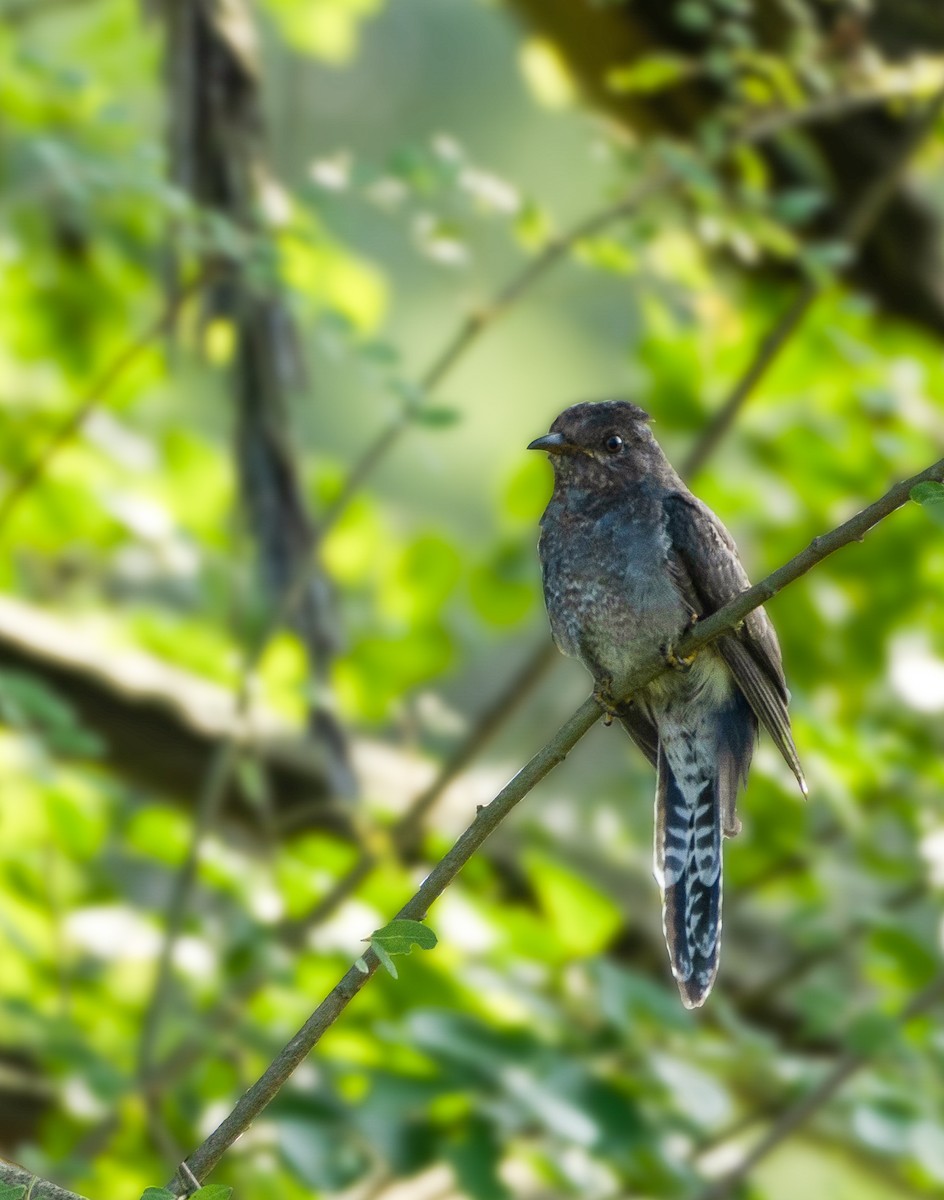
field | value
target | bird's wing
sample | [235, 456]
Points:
[640, 728]
[705, 567]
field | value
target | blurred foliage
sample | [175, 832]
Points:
[539, 1048]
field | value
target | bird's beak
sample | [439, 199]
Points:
[552, 443]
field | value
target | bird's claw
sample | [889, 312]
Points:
[673, 660]
[603, 695]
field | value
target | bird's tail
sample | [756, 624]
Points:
[698, 781]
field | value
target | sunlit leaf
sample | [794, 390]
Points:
[651, 73]
[930, 496]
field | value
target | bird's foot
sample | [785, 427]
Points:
[667, 649]
[603, 694]
[684, 663]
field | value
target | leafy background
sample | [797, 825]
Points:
[422, 153]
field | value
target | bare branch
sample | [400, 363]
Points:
[207, 811]
[30, 475]
[854, 230]
[478, 322]
[763, 129]
[252, 1103]
[402, 835]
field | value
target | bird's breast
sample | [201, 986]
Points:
[609, 593]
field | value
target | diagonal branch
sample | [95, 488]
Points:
[756, 132]
[403, 836]
[853, 231]
[254, 1101]
[34, 470]
[208, 805]
[476, 323]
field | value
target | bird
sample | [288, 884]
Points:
[630, 560]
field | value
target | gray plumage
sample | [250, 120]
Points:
[630, 559]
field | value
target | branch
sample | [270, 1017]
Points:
[478, 322]
[252, 1103]
[791, 1120]
[853, 231]
[208, 808]
[30, 475]
[763, 129]
[402, 836]
[36, 1188]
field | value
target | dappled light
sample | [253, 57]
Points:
[320, 874]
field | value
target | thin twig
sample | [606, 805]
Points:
[259, 1095]
[795, 1116]
[401, 835]
[407, 828]
[762, 129]
[405, 831]
[852, 232]
[30, 475]
[478, 322]
[767, 353]
[820, 111]
[207, 809]
[766, 127]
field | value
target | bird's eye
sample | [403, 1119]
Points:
[614, 443]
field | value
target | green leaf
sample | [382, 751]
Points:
[436, 418]
[27, 702]
[930, 496]
[401, 935]
[325, 31]
[12, 1191]
[252, 781]
[585, 920]
[694, 16]
[385, 960]
[153, 1193]
[797, 205]
[503, 589]
[411, 394]
[361, 965]
[823, 259]
[690, 167]
[213, 1191]
[650, 74]
[475, 1155]
[871, 1033]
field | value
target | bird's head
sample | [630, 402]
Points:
[603, 442]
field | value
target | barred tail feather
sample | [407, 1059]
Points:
[688, 869]
[700, 771]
